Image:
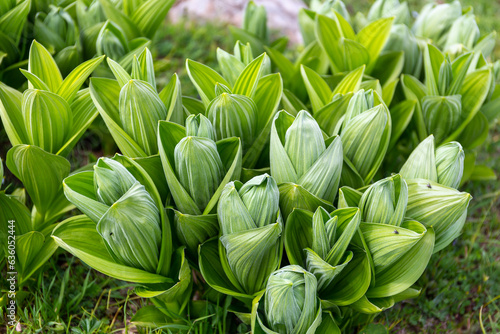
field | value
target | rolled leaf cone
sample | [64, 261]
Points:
[306, 167]
[57, 29]
[290, 303]
[233, 116]
[199, 126]
[400, 255]
[48, 119]
[402, 38]
[140, 110]
[441, 114]
[110, 42]
[385, 201]
[196, 187]
[199, 168]
[437, 206]
[324, 244]
[365, 139]
[450, 164]
[360, 102]
[127, 218]
[464, 31]
[385, 8]
[249, 220]
[434, 20]
[250, 246]
[444, 165]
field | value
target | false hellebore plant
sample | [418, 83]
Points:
[43, 124]
[250, 245]
[196, 169]
[131, 108]
[243, 105]
[125, 232]
[306, 167]
[290, 305]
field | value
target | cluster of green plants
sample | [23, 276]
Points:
[76, 30]
[303, 196]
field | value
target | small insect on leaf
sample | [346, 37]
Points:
[396, 232]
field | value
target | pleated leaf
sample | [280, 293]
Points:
[11, 114]
[291, 304]
[385, 201]
[44, 67]
[41, 172]
[253, 255]
[267, 98]
[450, 164]
[140, 110]
[442, 208]
[367, 151]
[194, 230]
[421, 164]
[78, 235]
[48, 119]
[399, 258]
[199, 168]
[131, 229]
[204, 79]
[234, 115]
[105, 94]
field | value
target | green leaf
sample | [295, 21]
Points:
[78, 235]
[475, 133]
[11, 114]
[318, 90]
[294, 196]
[247, 81]
[388, 67]
[253, 255]
[119, 72]
[112, 13]
[374, 36]
[204, 79]
[442, 208]
[399, 258]
[84, 113]
[13, 209]
[213, 271]
[401, 115]
[171, 96]
[77, 77]
[330, 117]
[329, 33]
[267, 99]
[105, 94]
[149, 16]
[483, 173]
[192, 230]
[140, 109]
[48, 119]
[43, 66]
[34, 81]
[351, 82]
[14, 21]
[474, 91]
[39, 253]
[41, 173]
[422, 162]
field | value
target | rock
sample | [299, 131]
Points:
[281, 15]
